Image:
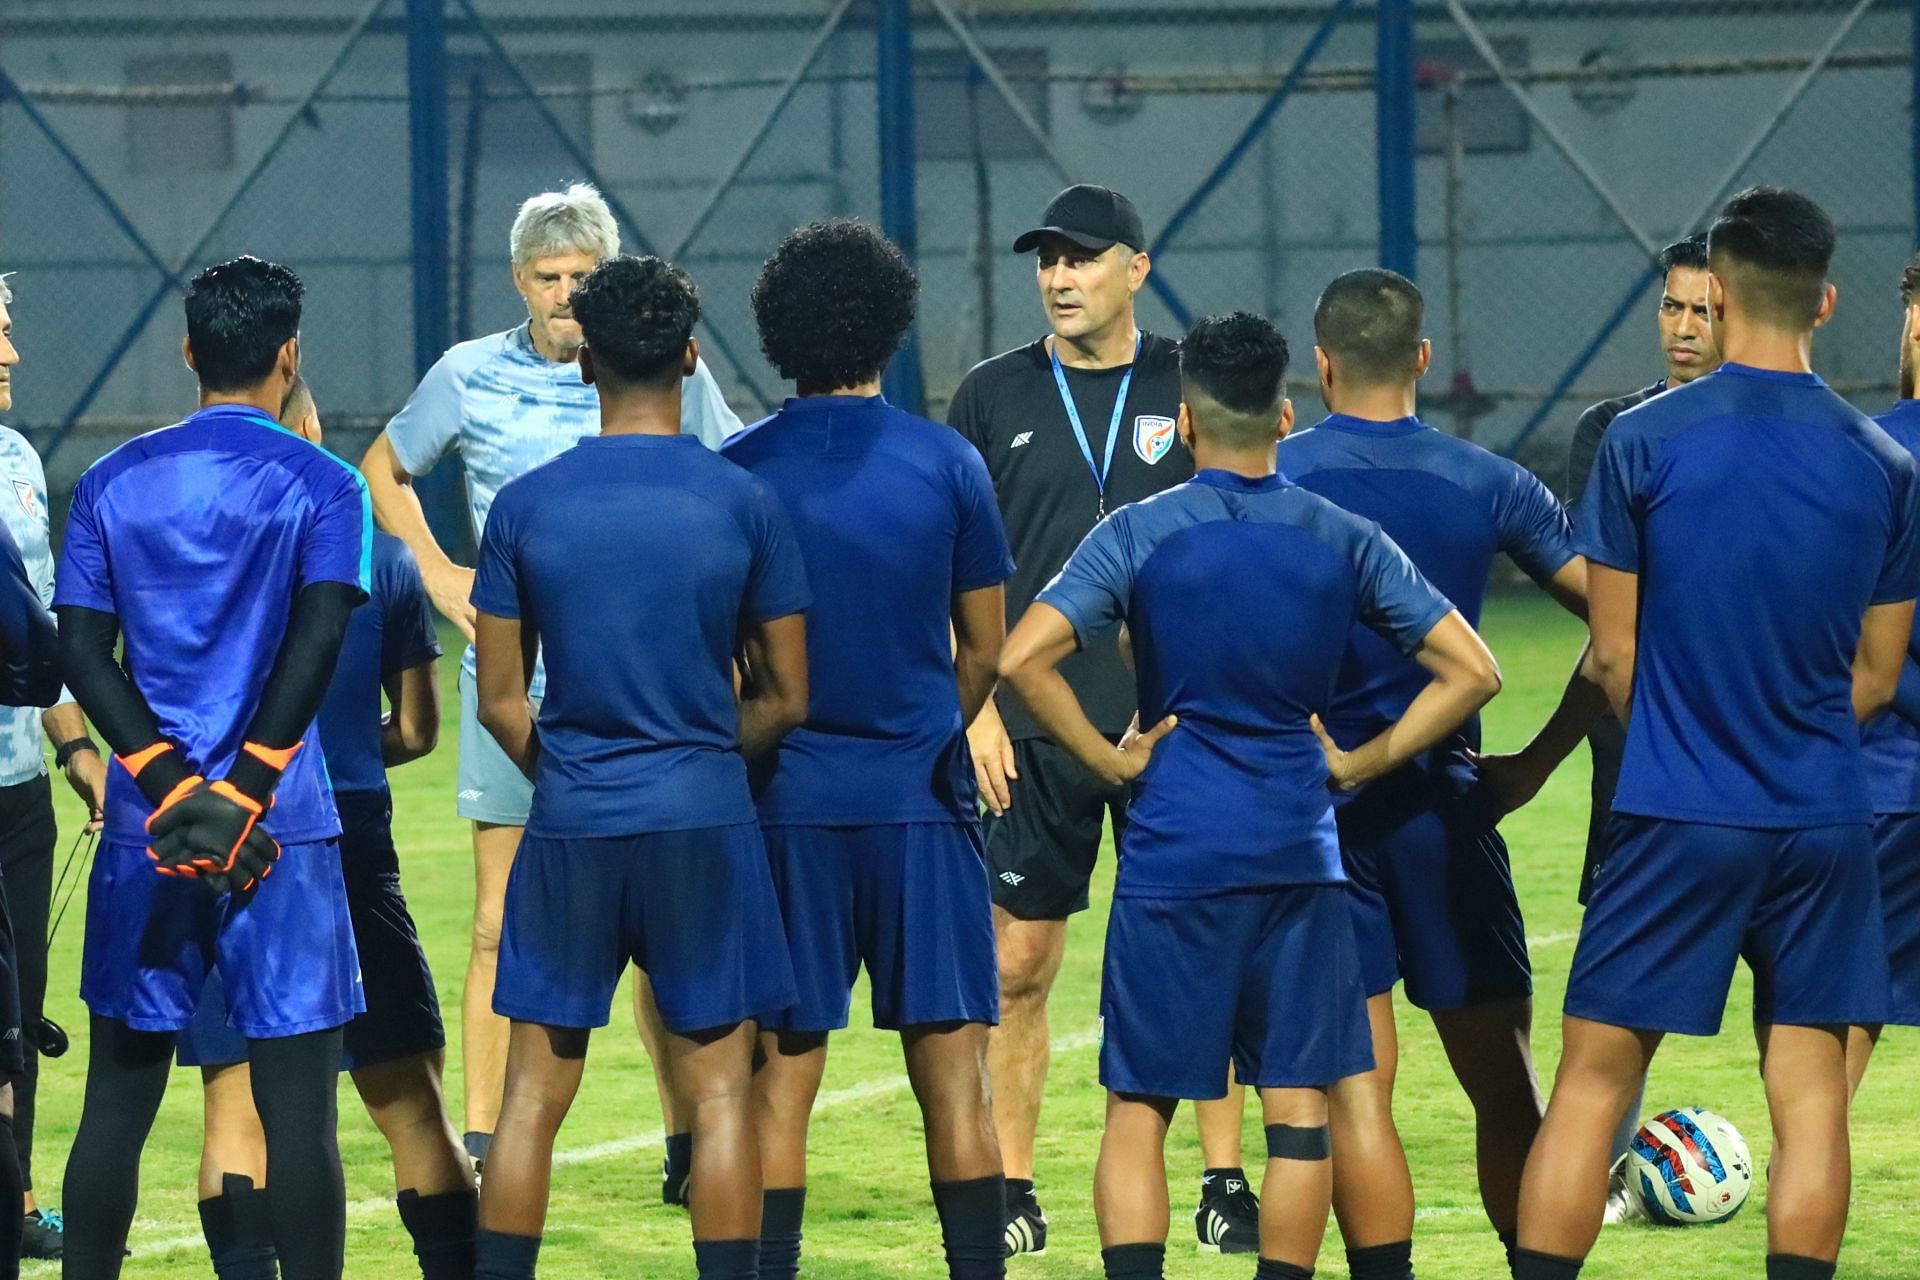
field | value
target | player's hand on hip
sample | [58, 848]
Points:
[1509, 782]
[450, 587]
[993, 764]
[87, 775]
[1339, 765]
[1136, 746]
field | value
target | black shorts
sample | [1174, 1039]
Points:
[403, 1013]
[1042, 850]
[1608, 742]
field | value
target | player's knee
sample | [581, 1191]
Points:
[1299, 1142]
[1026, 974]
[486, 930]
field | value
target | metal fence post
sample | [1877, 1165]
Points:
[1394, 125]
[427, 135]
[904, 384]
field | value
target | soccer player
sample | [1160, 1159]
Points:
[1432, 891]
[1753, 566]
[643, 563]
[1072, 426]
[1891, 743]
[396, 1049]
[505, 404]
[226, 553]
[27, 832]
[1231, 936]
[870, 808]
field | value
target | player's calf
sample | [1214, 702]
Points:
[947, 1064]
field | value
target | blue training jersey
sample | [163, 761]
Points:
[391, 632]
[198, 537]
[1891, 741]
[1239, 595]
[1452, 507]
[505, 409]
[638, 560]
[1764, 515]
[894, 516]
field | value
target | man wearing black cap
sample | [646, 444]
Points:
[1072, 426]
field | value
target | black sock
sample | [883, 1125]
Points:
[499, 1256]
[477, 1145]
[13, 1222]
[972, 1226]
[126, 1075]
[673, 1187]
[1274, 1269]
[1791, 1266]
[1214, 1181]
[1530, 1265]
[442, 1228]
[782, 1210]
[1382, 1261]
[1134, 1261]
[1510, 1241]
[1019, 1192]
[726, 1259]
[239, 1236]
[296, 1090]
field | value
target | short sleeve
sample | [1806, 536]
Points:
[428, 424]
[85, 577]
[981, 556]
[1609, 530]
[1394, 599]
[1900, 569]
[776, 578]
[966, 414]
[408, 638]
[1092, 590]
[703, 410]
[496, 580]
[338, 546]
[1587, 434]
[1533, 526]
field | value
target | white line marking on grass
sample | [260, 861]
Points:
[632, 1144]
[1552, 939]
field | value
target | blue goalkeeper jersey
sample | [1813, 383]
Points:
[1763, 515]
[198, 537]
[895, 516]
[1891, 740]
[1453, 508]
[1239, 595]
[637, 560]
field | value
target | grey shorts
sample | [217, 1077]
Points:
[491, 787]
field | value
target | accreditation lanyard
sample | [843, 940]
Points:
[1113, 425]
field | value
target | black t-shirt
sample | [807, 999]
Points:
[1009, 407]
[1591, 428]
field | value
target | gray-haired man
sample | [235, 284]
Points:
[505, 403]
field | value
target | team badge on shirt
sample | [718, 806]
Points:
[1152, 437]
[25, 491]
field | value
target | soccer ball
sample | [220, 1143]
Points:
[1689, 1167]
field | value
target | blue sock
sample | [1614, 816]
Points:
[1274, 1269]
[1135, 1261]
[239, 1236]
[972, 1226]
[1788, 1266]
[782, 1211]
[500, 1256]
[1530, 1264]
[726, 1259]
[1382, 1261]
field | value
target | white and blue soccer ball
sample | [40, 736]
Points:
[1689, 1167]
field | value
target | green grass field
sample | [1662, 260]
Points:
[870, 1214]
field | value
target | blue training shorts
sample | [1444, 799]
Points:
[1267, 979]
[284, 949]
[1675, 904]
[910, 901]
[1896, 846]
[1432, 896]
[695, 909]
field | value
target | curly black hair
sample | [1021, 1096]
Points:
[1239, 361]
[833, 304]
[239, 314]
[637, 315]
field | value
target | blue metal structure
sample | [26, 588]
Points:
[899, 218]
[1394, 124]
[427, 146]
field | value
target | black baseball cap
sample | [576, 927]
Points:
[1092, 217]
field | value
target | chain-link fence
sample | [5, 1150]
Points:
[137, 146]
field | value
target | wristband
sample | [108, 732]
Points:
[72, 747]
[256, 769]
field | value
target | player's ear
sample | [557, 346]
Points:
[690, 361]
[186, 353]
[586, 365]
[1829, 296]
[1424, 360]
[1716, 297]
[1286, 418]
[1913, 323]
[1183, 426]
[287, 362]
[1137, 267]
[1323, 367]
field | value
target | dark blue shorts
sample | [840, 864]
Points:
[1432, 895]
[285, 949]
[402, 1017]
[1896, 845]
[1675, 904]
[911, 902]
[1266, 979]
[695, 909]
